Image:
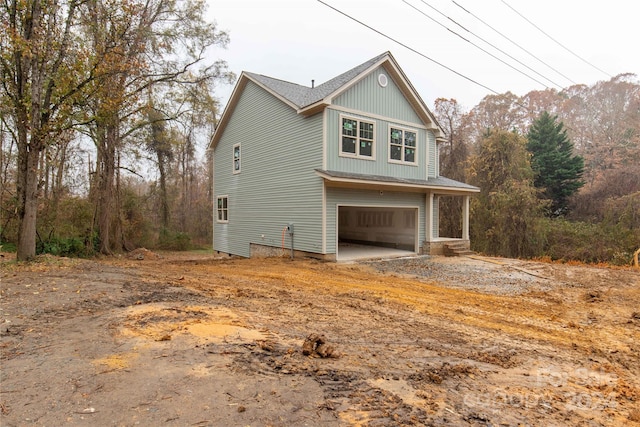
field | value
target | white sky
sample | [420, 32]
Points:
[300, 40]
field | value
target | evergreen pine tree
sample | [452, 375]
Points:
[557, 171]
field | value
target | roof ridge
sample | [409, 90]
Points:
[328, 87]
[275, 78]
[292, 92]
[358, 69]
[302, 96]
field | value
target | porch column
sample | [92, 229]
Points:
[465, 217]
[428, 232]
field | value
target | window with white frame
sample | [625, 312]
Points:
[236, 158]
[402, 145]
[357, 138]
[223, 208]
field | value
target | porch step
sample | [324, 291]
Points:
[457, 249]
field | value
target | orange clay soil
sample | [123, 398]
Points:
[188, 339]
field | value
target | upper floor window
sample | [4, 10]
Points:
[402, 145]
[357, 138]
[222, 209]
[236, 158]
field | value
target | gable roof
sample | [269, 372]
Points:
[310, 100]
[303, 96]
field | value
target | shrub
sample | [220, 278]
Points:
[174, 241]
[590, 243]
[69, 247]
[8, 247]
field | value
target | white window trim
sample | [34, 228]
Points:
[372, 116]
[233, 162]
[222, 221]
[403, 129]
[357, 155]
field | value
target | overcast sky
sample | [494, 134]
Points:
[301, 40]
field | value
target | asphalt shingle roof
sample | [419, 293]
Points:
[303, 96]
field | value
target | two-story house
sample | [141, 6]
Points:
[351, 161]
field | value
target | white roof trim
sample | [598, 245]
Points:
[404, 81]
[387, 61]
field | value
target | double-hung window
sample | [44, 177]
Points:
[222, 209]
[402, 145]
[357, 138]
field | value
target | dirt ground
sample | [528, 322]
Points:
[191, 340]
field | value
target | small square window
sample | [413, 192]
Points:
[366, 130]
[410, 155]
[366, 148]
[348, 145]
[222, 209]
[349, 127]
[236, 158]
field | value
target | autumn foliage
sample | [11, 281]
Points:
[599, 212]
[106, 107]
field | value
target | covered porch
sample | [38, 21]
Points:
[377, 215]
[435, 243]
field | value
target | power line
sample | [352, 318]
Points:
[556, 41]
[493, 46]
[409, 48]
[475, 45]
[513, 42]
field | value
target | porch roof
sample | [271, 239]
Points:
[440, 184]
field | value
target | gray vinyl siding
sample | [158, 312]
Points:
[277, 183]
[368, 95]
[381, 164]
[359, 197]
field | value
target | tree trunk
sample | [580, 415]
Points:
[107, 141]
[105, 199]
[118, 233]
[183, 181]
[27, 202]
[164, 202]
[5, 157]
[57, 176]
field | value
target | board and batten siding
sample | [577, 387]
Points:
[368, 95]
[381, 164]
[386, 107]
[370, 198]
[277, 184]
[434, 156]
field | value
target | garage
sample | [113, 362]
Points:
[368, 232]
